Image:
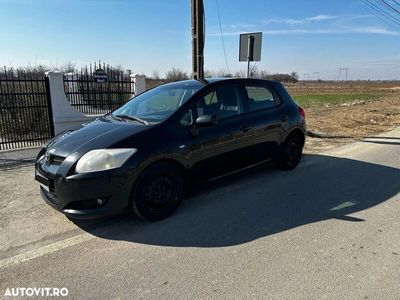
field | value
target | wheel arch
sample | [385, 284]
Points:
[297, 131]
[170, 161]
[176, 163]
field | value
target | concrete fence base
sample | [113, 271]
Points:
[65, 117]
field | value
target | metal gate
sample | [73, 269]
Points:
[91, 97]
[25, 109]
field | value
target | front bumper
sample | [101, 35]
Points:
[86, 196]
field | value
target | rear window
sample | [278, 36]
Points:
[261, 97]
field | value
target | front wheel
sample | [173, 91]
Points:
[290, 153]
[158, 192]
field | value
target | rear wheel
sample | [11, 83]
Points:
[290, 153]
[158, 192]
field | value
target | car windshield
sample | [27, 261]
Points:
[157, 104]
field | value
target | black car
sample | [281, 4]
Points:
[142, 155]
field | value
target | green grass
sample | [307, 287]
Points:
[321, 100]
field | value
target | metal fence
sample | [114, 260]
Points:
[25, 111]
[91, 97]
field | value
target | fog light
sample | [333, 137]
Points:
[99, 201]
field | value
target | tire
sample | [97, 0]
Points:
[157, 192]
[290, 153]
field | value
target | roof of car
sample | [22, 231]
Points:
[207, 81]
[204, 82]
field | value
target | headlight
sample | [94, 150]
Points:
[103, 159]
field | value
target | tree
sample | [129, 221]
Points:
[68, 67]
[295, 75]
[176, 74]
[155, 75]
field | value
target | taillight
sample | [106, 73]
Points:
[302, 112]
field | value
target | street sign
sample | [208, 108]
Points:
[250, 46]
[100, 76]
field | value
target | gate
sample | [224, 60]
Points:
[92, 98]
[25, 110]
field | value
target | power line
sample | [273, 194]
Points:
[391, 7]
[398, 3]
[382, 12]
[222, 36]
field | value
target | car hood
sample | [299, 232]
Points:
[98, 134]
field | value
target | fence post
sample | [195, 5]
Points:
[138, 84]
[65, 117]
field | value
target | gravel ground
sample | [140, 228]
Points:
[24, 217]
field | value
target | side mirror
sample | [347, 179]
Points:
[207, 120]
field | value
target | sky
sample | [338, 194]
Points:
[146, 36]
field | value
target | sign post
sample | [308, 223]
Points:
[250, 48]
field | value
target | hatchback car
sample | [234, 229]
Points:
[142, 155]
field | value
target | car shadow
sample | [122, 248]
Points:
[263, 201]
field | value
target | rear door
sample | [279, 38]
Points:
[266, 118]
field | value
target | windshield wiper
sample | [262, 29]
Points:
[132, 118]
[112, 116]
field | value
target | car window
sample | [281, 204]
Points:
[159, 103]
[187, 119]
[223, 102]
[260, 97]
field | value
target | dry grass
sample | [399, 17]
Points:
[358, 109]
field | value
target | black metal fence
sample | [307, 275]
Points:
[24, 110]
[91, 97]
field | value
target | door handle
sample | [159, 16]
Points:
[245, 128]
[284, 118]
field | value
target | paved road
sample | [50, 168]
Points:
[329, 229]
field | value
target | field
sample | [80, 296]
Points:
[339, 112]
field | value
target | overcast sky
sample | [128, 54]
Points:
[305, 36]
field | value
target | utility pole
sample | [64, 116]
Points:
[306, 76]
[197, 9]
[316, 75]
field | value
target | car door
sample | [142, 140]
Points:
[266, 119]
[218, 149]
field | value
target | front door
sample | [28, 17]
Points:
[219, 149]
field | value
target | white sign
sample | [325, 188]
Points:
[250, 46]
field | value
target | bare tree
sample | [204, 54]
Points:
[36, 70]
[240, 74]
[295, 75]
[68, 67]
[155, 75]
[176, 74]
